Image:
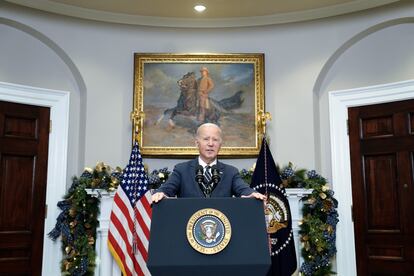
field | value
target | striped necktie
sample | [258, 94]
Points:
[207, 174]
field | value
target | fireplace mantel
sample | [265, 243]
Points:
[106, 266]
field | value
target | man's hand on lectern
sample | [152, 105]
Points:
[157, 197]
[256, 195]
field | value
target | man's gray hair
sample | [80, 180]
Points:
[208, 125]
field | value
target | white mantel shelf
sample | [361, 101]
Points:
[106, 266]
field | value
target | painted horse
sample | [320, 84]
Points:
[187, 103]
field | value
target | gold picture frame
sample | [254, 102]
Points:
[168, 105]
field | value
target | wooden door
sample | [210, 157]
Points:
[24, 136]
[382, 153]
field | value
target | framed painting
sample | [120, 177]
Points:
[175, 93]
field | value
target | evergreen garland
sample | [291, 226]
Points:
[320, 217]
[157, 177]
[77, 222]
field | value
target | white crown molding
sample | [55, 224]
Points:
[91, 14]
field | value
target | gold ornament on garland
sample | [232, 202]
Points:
[72, 212]
[91, 240]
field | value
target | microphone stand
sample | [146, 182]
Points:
[205, 187]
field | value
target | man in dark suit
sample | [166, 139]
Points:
[182, 181]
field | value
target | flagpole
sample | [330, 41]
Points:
[266, 179]
[137, 118]
[262, 118]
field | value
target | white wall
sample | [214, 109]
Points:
[381, 56]
[295, 60]
[24, 59]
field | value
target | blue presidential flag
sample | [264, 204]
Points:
[266, 180]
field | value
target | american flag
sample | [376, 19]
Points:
[130, 221]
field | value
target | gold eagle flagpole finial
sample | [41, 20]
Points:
[137, 118]
[262, 118]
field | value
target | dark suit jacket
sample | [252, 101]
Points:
[182, 183]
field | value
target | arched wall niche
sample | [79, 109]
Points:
[377, 55]
[48, 66]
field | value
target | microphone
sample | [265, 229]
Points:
[215, 175]
[205, 188]
[199, 174]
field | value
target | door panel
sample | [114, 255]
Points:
[24, 134]
[381, 194]
[382, 146]
[19, 186]
[377, 127]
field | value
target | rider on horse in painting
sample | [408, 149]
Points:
[194, 101]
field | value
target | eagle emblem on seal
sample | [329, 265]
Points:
[276, 213]
[209, 231]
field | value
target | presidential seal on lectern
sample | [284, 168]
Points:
[208, 231]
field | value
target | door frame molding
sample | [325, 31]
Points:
[58, 101]
[339, 102]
